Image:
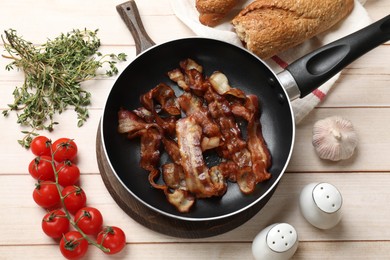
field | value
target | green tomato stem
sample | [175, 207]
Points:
[67, 214]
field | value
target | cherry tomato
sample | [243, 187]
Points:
[64, 149]
[74, 198]
[55, 223]
[73, 245]
[41, 168]
[40, 145]
[46, 194]
[68, 173]
[89, 220]
[112, 238]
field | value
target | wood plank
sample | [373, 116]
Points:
[377, 8]
[356, 87]
[306, 250]
[15, 158]
[359, 90]
[365, 210]
[102, 15]
[370, 155]
[373, 62]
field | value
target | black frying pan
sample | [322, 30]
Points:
[245, 71]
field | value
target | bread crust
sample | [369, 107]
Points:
[211, 12]
[268, 27]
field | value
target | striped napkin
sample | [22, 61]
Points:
[185, 10]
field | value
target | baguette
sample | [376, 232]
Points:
[211, 12]
[268, 27]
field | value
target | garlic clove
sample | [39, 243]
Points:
[334, 138]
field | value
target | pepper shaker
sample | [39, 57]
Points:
[320, 204]
[275, 242]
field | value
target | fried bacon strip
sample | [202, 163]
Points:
[180, 198]
[193, 106]
[161, 98]
[261, 157]
[174, 176]
[150, 149]
[190, 77]
[131, 124]
[197, 176]
[172, 149]
[164, 96]
[134, 126]
[220, 84]
[177, 76]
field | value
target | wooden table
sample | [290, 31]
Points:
[362, 94]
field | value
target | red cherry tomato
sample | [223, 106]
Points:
[55, 223]
[89, 220]
[74, 198]
[73, 245]
[40, 145]
[64, 149]
[112, 238]
[68, 173]
[46, 194]
[41, 168]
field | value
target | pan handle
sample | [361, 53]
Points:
[130, 15]
[317, 67]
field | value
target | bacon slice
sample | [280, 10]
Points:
[172, 149]
[174, 176]
[220, 84]
[145, 114]
[190, 77]
[131, 124]
[164, 96]
[193, 106]
[261, 156]
[150, 149]
[190, 64]
[180, 198]
[177, 76]
[198, 179]
[134, 126]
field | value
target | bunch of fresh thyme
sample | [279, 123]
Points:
[53, 73]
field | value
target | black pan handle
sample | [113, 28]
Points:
[130, 15]
[317, 67]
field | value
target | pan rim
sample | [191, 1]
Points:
[200, 219]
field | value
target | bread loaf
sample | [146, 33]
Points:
[268, 27]
[211, 12]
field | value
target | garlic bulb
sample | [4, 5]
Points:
[334, 138]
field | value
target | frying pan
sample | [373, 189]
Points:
[245, 71]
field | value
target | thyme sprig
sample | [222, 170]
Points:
[53, 73]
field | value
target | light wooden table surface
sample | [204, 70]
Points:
[362, 94]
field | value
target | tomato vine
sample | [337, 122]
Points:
[69, 202]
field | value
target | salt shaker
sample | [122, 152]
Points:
[277, 242]
[320, 204]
